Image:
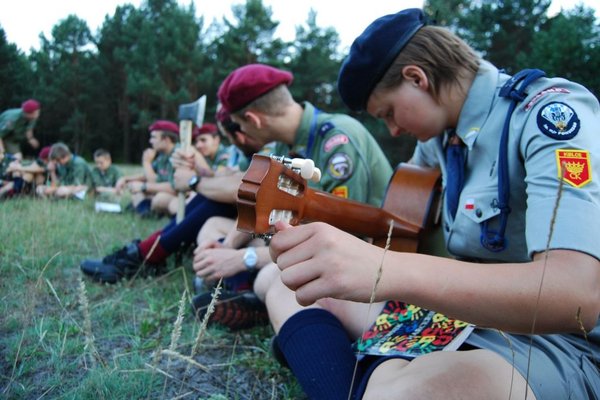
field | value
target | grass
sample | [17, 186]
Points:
[65, 337]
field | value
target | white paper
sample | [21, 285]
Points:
[107, 207]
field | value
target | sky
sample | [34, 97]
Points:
[24, 20]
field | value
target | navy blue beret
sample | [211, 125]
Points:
[373, 52]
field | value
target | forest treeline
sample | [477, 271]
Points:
[103, 89]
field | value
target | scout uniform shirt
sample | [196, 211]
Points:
[271, 148]
[553, 134]
[234, 157]
[13, 126]
[353, 165]
[221, 158]
[75, 172]
[106, 178]
[537, 148]
[163, 168]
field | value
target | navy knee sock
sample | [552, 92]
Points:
[174, 236]
[319, 353]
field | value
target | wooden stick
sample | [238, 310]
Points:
[185, 138]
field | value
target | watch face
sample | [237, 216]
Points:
[193, 182]
[250, 258]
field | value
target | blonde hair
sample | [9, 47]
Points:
[444, 57]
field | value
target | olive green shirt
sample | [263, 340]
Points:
[353, 165]
[163, 168]
[221, 158]
[106, 178]
[13, 126]
[75, 172]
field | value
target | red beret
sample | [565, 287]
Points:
[44, 153]
[249, 82]
[223, 115]
[163, 125]
[30, 106]
[206, 128]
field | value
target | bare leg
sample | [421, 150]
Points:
[137, 198]
[215, 228]
[474, 374]
[281, 304]
[160, 202]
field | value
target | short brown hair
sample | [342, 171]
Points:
[443, 56]
[102, 153]
[59, 150]
[271, 103]
[173, 137]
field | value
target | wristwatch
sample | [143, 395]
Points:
[250, 258]
[193, 182]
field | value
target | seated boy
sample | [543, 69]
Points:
[152, 190]
[70, 175]
[105, 175]
[27, 175]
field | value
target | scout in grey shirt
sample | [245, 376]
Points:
[502, 173]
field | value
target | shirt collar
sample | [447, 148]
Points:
[479, 102]
[301, 139]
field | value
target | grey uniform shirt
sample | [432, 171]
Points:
[533, 158]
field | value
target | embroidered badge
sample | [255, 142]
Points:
[340, 191]
[340, 166]
[558, 121]
[326, 127]
[335, 141]
[574, 166]
[541, 94]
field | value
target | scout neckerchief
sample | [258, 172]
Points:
[312, 133]
[455, 171]
[493, 239]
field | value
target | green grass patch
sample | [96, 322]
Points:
[62, 339]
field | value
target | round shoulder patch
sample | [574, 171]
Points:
[340, 166]
[558, 121]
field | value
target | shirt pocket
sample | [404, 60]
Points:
[474, 209]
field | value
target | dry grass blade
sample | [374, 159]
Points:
[209, 311]
[378, 274]
[15, 362]
[176, 334]
[60, 303]
[187, 359]
[39, 280]
[537, 304]
[90, 346]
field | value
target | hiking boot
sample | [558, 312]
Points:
[124, 263]
[235, 310]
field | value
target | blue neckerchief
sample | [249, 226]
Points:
[493, 239]
[455, 174]
[312, 133]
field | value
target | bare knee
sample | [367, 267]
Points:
[265, 279]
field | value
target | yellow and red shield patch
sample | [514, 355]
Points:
[574, 166]
[340, 191]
